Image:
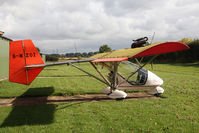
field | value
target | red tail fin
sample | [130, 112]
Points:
[23, 53]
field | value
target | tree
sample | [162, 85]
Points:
[51, 58]
[186, 40]
[104, 48]
[90, 54]
[38, 49]
[84, 54]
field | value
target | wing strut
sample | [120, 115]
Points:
[110, 69]
[89, 74]
[142, 66]
[139, 62]
[101, 74]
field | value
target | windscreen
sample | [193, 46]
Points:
[126, 68]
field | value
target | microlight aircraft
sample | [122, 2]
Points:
[25, 63]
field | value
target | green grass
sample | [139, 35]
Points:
[176, 111]
[63, 80]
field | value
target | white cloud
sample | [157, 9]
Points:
[59, 25]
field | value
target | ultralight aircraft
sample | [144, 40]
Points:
[25, 63]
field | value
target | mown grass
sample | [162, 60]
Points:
[176, 111]
[65, 80]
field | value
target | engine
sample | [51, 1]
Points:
[140, 42]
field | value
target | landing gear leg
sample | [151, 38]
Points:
[114, 93]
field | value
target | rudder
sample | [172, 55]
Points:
[23, 53]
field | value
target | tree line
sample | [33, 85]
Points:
[55, 57]
[102, 49]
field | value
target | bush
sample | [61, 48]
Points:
[51, 58]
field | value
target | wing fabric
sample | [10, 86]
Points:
[155, 49]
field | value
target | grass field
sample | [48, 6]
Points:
[176, 111]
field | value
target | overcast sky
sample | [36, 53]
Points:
[62, 25]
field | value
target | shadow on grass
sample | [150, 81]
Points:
[31, 114]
